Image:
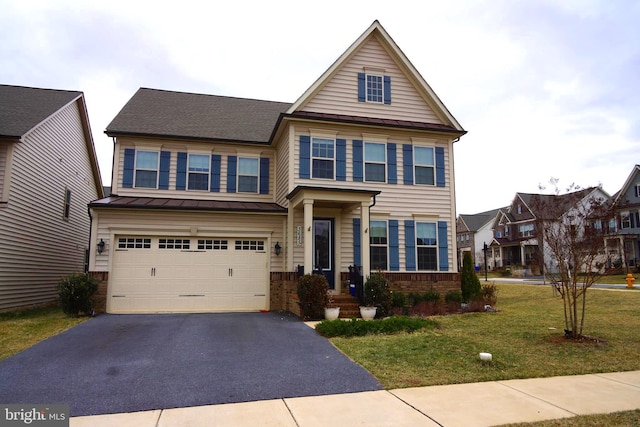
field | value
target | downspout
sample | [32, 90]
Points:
[88, 254]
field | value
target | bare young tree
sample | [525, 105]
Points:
[570, 230]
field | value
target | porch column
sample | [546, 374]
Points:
[308, 236]
[522, 260]
[364, 240]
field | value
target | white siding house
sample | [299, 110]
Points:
[48, 175]
[358, 171]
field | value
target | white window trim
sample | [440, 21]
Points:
[257, 175]
[386, 227]
[136, 168]
[324, 158]
[366, 86]
[202, 173]
[415, 165]
[435, 246]
[625, 218]
[385, 162]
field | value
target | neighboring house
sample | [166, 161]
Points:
[515, 243]
[48, 175]
[623, 243]
[472, 233]
[218, 202]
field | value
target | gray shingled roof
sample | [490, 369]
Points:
[476, 221]
[183, 115]
[22, 108]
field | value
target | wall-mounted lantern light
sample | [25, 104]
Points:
[278, 248]
[101, 246]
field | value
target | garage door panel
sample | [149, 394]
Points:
[165, 274]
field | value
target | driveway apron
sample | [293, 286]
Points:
[127, 363]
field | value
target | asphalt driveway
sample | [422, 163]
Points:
[127, 363]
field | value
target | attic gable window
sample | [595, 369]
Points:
[374, 88]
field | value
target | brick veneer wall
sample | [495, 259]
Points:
[419, 282]
[100, 297]
[284, 292]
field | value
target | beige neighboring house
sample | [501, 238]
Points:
[218, 202]
[48, 175]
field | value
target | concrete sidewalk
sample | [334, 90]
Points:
[477, 404]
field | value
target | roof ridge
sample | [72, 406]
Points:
[214, 95]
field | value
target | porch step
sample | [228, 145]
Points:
[349, 306]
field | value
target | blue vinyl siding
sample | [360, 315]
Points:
[407, 163]
[232, 167]
[216, 162]
[357, 161]
[165, 164]
[181, 173]
[443, 246]
[305, 156]
[392, 166]
[440, 180]
[127, 170]
[357, 257]
[394, 248]
[264, 175]
[410, 244]
[341, 159]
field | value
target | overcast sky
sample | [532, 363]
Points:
[544, 88]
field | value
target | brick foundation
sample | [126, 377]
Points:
[100, 297]
[284, 292]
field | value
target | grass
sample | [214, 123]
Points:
[22, 329]
[618, 419]
[525, 337]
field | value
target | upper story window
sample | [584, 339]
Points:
[519, 209]
[248, 175]
[322, 158]
[374, 88]
[146, 169]
[525, 230]
[67, 204]
[625, 220]
[427, 245]
[637, 190]
[378, 247]
[198, 176]
[424, 165]
[375, 162]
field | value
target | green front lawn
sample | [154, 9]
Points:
[22, 329]
[525, 338]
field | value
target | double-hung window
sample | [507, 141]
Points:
[375, 162]
[427, 246]
[625, 220]
[198, 172]
[379, 244]
[248, 175]
[525, 230]
[424, 165]
[323, 158]
[146, 169]
[375, 88]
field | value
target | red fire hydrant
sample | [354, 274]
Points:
[630, 280]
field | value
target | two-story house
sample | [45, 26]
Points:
[516, 241]
[48, 174]
[623, 241]
[473, 231]
[218, 202]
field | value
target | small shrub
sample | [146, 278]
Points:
[489, 294]
[312, 293]
[453, 296]
[431, 296]
[470, 283]
[75, 292]
[378, 294]
[506, 272]
[355, 327]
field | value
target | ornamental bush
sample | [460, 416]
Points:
[378, 294]
[75, 292]
[469, 281]
[312, 294]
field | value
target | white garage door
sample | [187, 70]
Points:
[167, 274]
